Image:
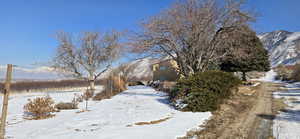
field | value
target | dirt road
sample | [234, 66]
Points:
[256, 123]
[247, 115]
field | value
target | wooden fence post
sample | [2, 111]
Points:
[5, 100]
[111, 84]
[119, 83]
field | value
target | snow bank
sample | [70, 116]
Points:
[269, 77]
[108, 119]
[287, 124]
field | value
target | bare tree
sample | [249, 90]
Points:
[87, 59]
[188, 32]
[126, 71]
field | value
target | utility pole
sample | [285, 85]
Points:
[5, 100]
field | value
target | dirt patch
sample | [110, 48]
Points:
[151, 122]
[247, 115]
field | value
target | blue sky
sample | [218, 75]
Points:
[28, 27]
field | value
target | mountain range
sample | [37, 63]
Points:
[283, 47]
[25, 73]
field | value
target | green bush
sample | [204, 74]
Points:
[205, 91]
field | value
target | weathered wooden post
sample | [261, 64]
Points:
[119, 83]
[5, 100]
[111, 84]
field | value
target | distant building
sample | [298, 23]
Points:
[166, 70]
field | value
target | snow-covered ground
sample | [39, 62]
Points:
[108, 119]
[287, 123]
[269, 77]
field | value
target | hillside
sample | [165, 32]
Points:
[282, 46]
[139, 69]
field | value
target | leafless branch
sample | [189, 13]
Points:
[90, 57]
[188, 32]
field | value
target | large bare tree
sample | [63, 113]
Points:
[87, 57]
[188, 32]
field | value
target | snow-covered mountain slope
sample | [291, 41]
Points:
[282, 46]
[141, 68]
[138, 69]
[38, 73]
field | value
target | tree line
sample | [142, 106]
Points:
[37, 85]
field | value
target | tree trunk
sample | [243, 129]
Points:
[244, 78]
[92, 82]
[86, 104]
[92, 85]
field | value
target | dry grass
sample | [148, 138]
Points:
[293, 99]
[246, 90]
[278, 105]
[151, 122]
[38, 85]
[113, 86]
[66, 106]
[39, 108]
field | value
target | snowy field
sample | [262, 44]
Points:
[108, 119]
[287, 123]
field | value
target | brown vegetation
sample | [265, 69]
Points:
[113, 86]
[278, 105]
[65, 106]
[40, 108]
[69, 105]
[39, 85]
[284, 73]
[288, 72]
[153, 122]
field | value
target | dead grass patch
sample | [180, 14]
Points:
[292, 99]
[151, 122]
[39, 108]
[113, 86]
[246, 90]
[278, 105]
